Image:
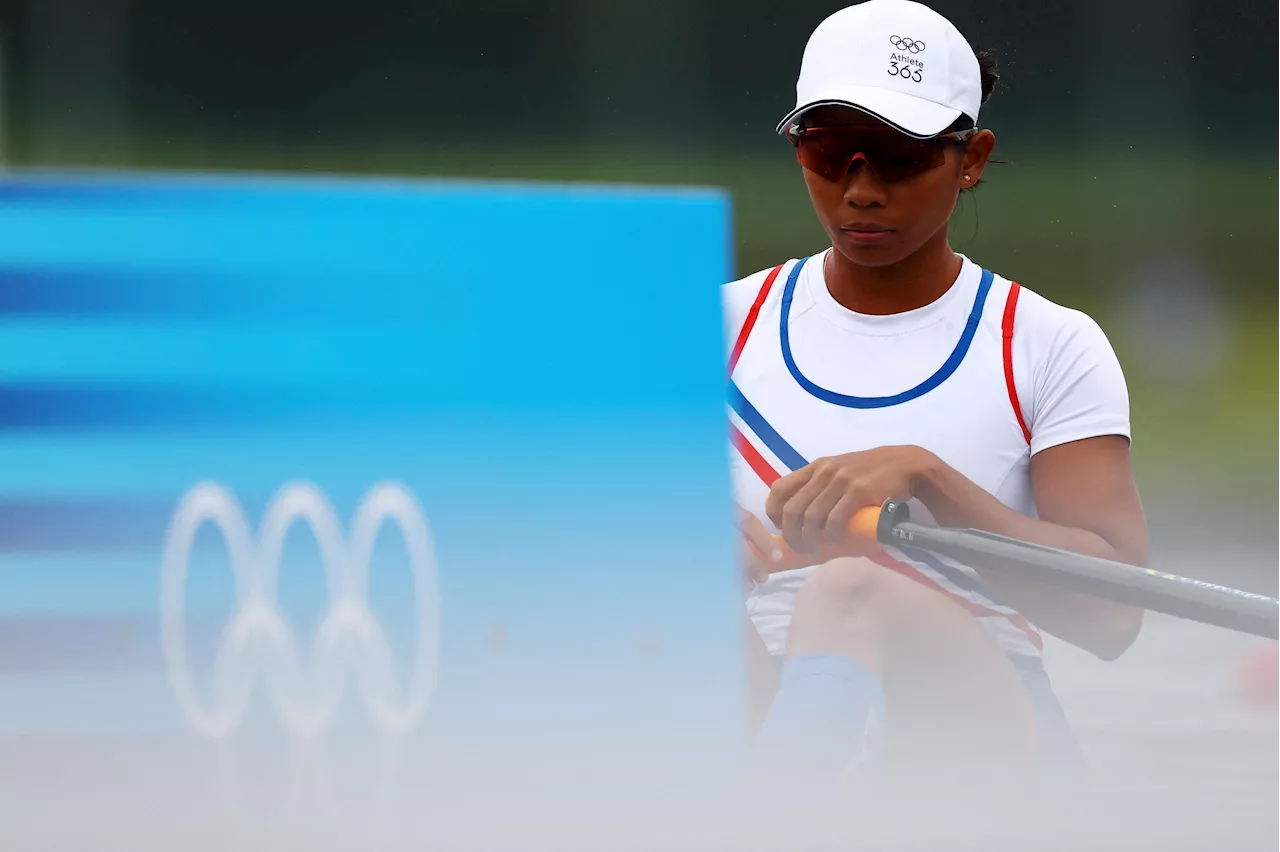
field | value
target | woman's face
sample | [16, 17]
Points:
[876, 223]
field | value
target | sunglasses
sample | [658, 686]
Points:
[893, 156]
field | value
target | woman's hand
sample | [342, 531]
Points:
[760, 550]
[764, 553]
[812, 506]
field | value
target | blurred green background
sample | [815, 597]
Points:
[1141, 181]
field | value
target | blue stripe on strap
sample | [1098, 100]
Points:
[775, 442]
[943, 373]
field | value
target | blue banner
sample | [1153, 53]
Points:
[453, 453]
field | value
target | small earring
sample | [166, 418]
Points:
[966, 178]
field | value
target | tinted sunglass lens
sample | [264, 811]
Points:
[893, 158]
[893, 169]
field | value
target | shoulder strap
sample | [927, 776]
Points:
[752, 315]
[1006, 327]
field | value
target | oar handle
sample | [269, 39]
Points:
[864, 533]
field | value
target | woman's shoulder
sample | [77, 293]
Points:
[1038, 319]
[738, 296]
[1071, 384]
[753, 282]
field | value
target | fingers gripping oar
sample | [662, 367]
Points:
[1147, 588]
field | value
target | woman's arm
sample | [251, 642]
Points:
[1085, 496]
[1088, 503]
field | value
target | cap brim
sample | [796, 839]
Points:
[911, 115]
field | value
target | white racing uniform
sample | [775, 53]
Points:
[984, 377]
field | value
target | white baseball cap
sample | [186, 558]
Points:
[899, 61]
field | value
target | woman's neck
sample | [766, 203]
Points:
[911, 283]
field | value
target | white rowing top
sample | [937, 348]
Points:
[810, 378]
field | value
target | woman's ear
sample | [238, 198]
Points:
[976, 155]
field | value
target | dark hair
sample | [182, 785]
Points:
[989, 68]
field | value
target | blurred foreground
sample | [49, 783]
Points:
[1141, 188]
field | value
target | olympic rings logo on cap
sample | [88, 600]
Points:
[907, 44]
[304, 691]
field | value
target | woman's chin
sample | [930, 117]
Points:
[883, 252]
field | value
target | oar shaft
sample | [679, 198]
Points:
[1143, 587]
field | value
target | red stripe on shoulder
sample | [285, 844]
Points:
[752, 315]
[1006, 327]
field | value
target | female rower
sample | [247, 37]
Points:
[891, 367]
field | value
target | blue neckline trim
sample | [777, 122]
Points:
[943, 373]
